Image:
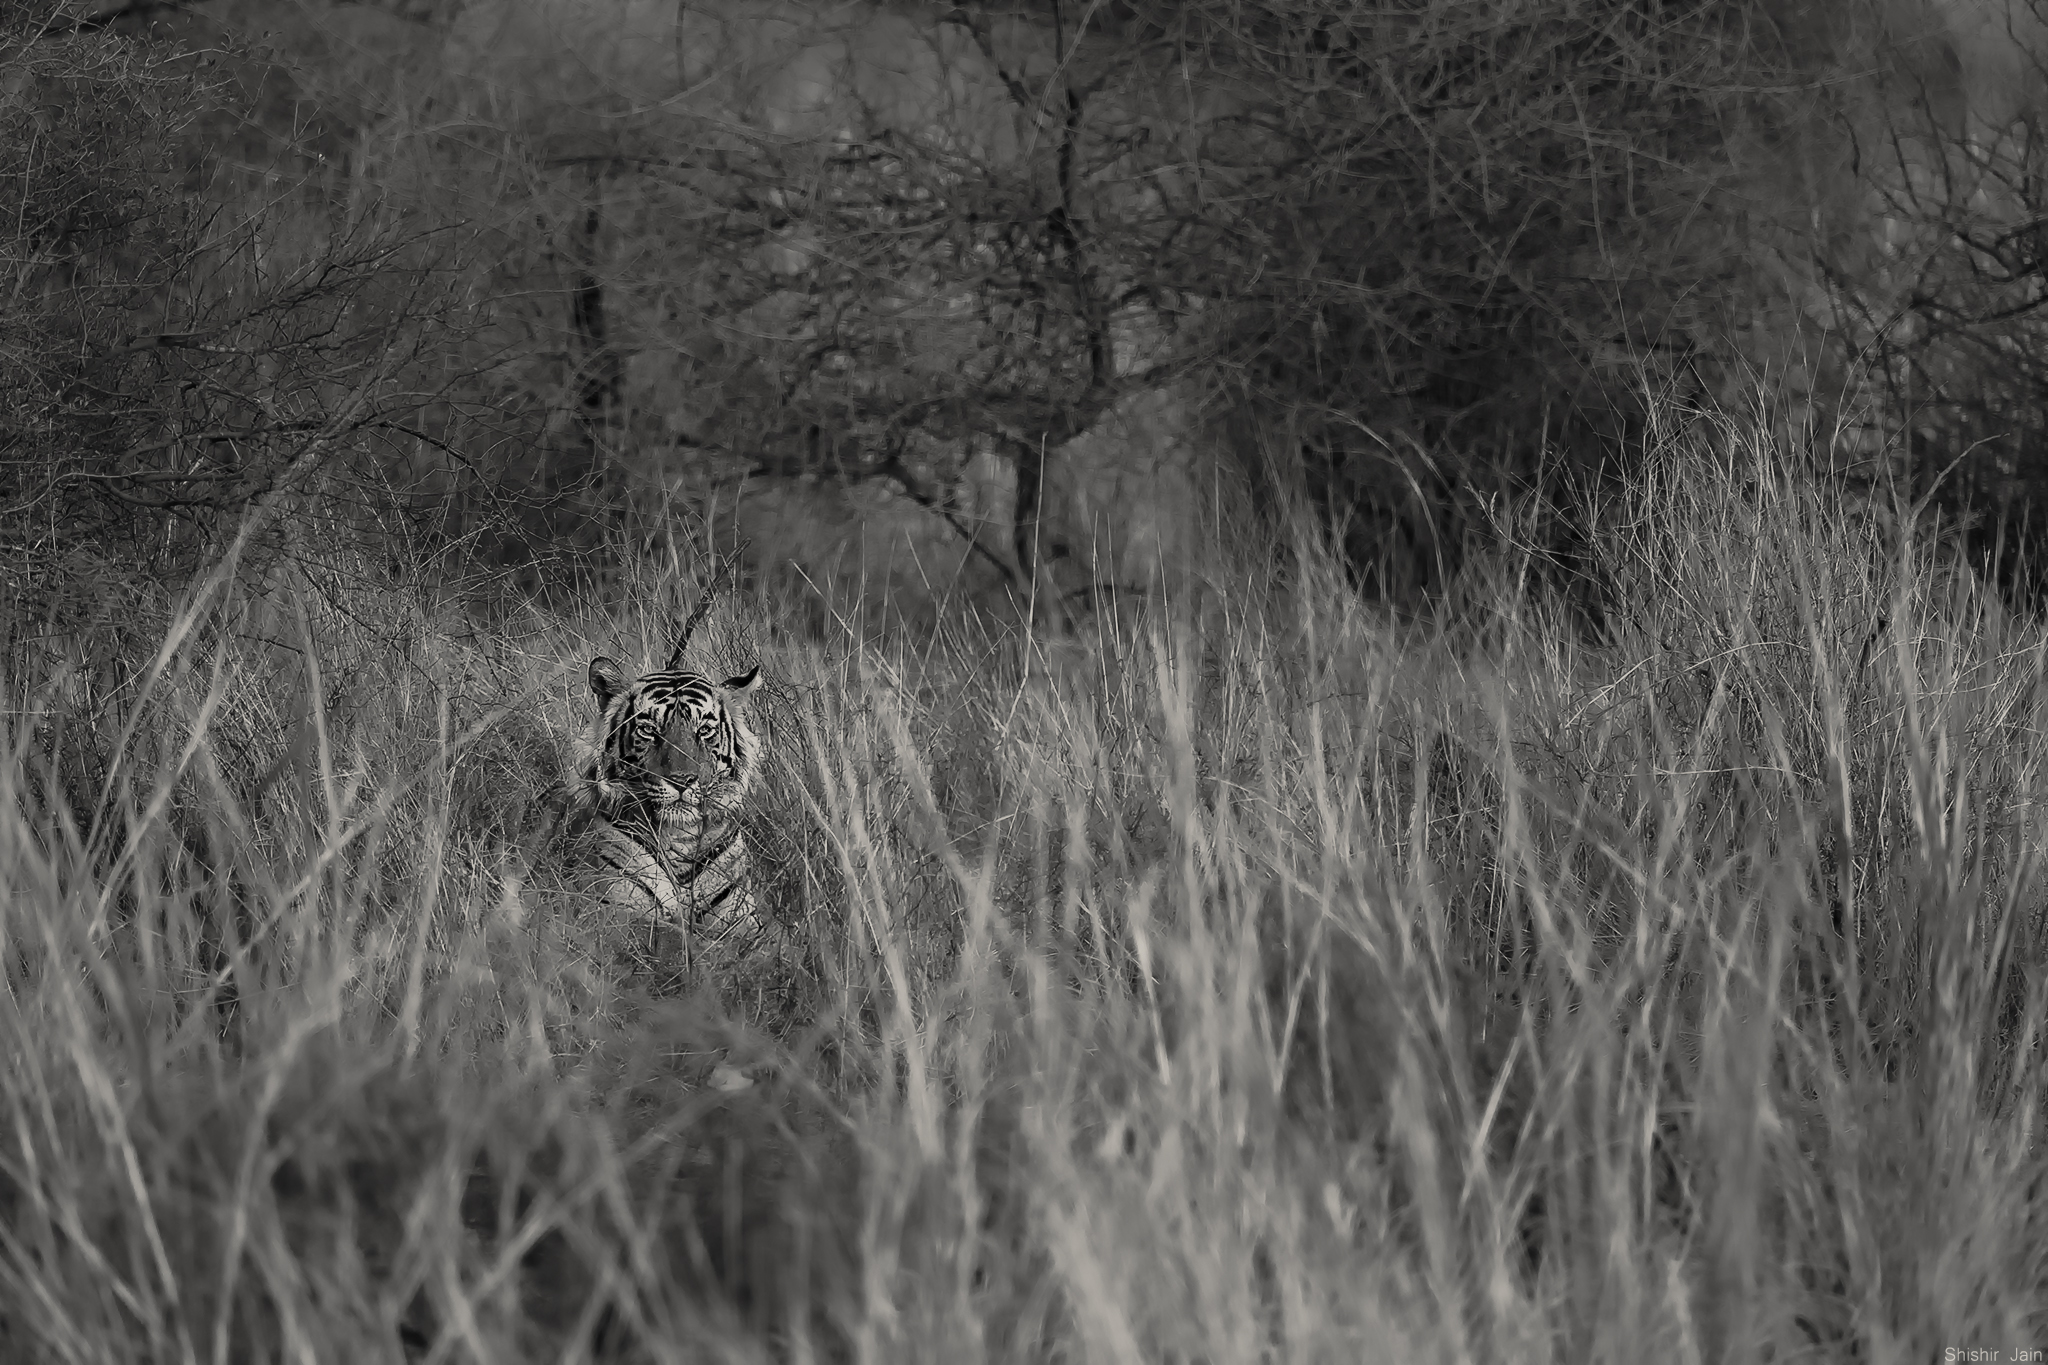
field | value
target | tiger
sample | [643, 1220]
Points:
[656, 807]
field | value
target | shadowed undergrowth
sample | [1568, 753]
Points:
[1256, 982]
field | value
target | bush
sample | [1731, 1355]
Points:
[186, 346]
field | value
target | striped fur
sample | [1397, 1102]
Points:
[660, 800]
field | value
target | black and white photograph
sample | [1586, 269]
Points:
[1023, 682]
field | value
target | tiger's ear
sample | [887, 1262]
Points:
[745, 682]
[606, 681]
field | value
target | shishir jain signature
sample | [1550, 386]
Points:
[1955, 1355]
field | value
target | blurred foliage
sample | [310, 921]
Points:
[193, 333]
[1408, 255]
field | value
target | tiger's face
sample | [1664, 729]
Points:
[676, 727]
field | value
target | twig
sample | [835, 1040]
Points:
[696, 618]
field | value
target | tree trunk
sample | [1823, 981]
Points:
[598, 369]
[1042, 595]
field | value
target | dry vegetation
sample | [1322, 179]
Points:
[1265, 985]
[1650, 970]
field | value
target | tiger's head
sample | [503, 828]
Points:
[672, 727]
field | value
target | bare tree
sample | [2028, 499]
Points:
[1941, 305]
[181, 348]
[1418, 236]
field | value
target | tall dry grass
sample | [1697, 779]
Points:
[1260, 982]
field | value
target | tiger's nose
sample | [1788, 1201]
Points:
[687, 763]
